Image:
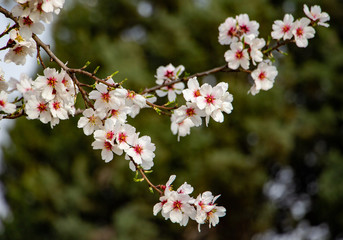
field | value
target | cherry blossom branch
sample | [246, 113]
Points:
[8, 14]
[223, 68]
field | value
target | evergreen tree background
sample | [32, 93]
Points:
[58, 187]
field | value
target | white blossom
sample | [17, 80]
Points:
[283, 29]
[316, 15]
[263, 77]
[302, 32]
[228, 31]
[90, 122]
[237, 56]
[5, 105]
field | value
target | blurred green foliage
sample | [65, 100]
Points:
[59, 188]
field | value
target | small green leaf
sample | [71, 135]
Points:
[86, 65]
[151, 189]
[96, 70]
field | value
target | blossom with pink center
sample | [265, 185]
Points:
[6, 106]
[104, 98]
[178, 207]
[246, 26]
[119, 114]
[89, 122]
[170, 90]
[193, 90]
[37, 107]
[182, 128]
[104, 140]
[141, 152]
[17, 54]
[255, 47]
[189, 111]
[28, 26]
[132, 100]
[49, 84]
[302, 32]
[207, 210]
[263, 77]
[316, 15]
[237, 56]
[228, 31]
[210, 101]
[168, 72]
[125, 135]
[283, 29]
[57, 109]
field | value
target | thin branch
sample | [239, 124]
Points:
[8, 30]
[201, 74]
[141, 171]
[39, 57]
[8, 14]
[14, 116]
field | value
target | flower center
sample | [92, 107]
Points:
[177, 204]
[209, 99]
[108, 146]
[56, 105]
[169, 74]
[196, 93]
[300, 32]
[18, 50]
[231, 32]
[239, 54]
[52, 82]
[190, 112]
[114, 113]
[92, 119]
[27, 21]
[122, 137]
[244, 28]
[262, 76]
[131, 95]
[286, 28]
[109, 135]
[138, 149]
[42, 107]
[105, 97]
[2, 103]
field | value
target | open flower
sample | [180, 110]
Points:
[302, 32]
[316, 15]
[237, 56]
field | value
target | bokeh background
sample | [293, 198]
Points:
[276, 160]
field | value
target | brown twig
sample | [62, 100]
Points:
[39, 57]
[8, 30]
[141, 171]
[201, 74]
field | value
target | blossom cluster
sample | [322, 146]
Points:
[107, 122]
[179, 206]
[49, 98]
[30, 15]
[246, 47]
[165, 75]
[201, 101]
